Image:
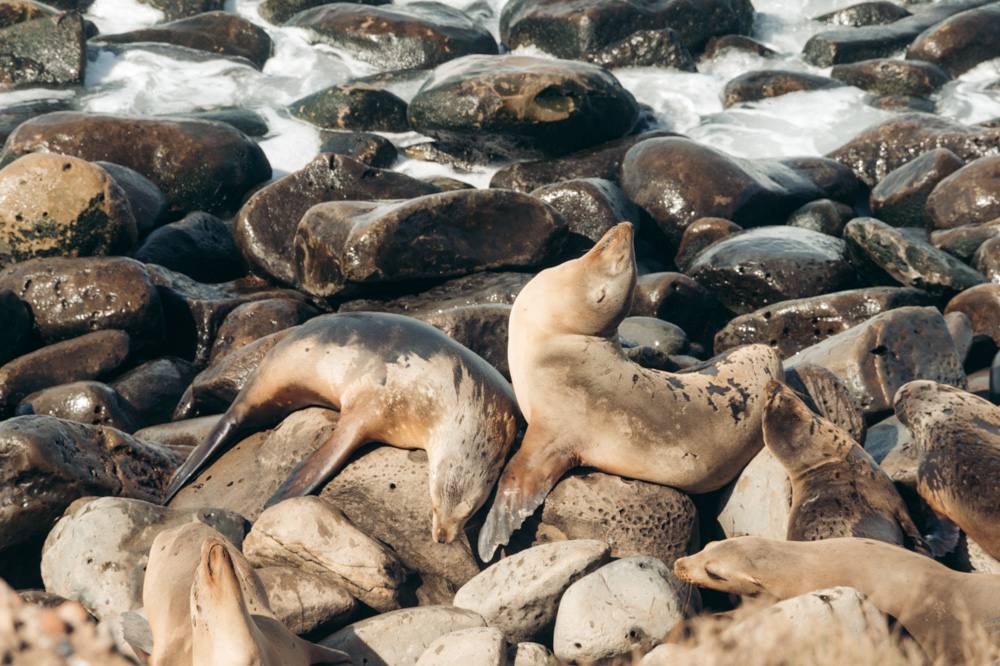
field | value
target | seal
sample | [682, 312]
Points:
[937, 605]
[957, 438]
[206, 605]
[395, 380]
[838, 490]
[586, 403]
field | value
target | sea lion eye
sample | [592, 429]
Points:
[714, 576]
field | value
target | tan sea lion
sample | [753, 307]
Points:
[206, 605]
[957, 436]
[838, 490]
[934, 603]
[586, 403]
[395, 380]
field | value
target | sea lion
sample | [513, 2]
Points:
[206, 605]
[957, 437]
[838, 490]
[395, 380]
[937, 605]
[586, 403]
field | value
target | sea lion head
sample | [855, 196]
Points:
[730, 566]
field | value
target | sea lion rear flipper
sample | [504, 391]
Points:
[212, 446]
[526, 481]
[319, 654]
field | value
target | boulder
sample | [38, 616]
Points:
[199, 246]
[480, 646]
[500, 288]
[43, 51]
[353, 106]
[962, 242]
[759, 501]
[481, 328]
[960, 42]
[646, 48]
[306, 602]
[251, 321]
[149, 205]
[372, 149]
[981, 304]
[765, 83]
[90, 402]
[970, 195]
[823, 216]
[900, 198]
[153, 388]
[885, 76]
[279, 11]
[591, 207]
[865, 13]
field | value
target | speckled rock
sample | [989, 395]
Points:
[962, 242]
[900, 197]
[90, 402]
[252, 321]
[766, 83]
[960, 42]
[372, 149]
[759, 501]
[970, 195]
[865, 13]
[199, 246]
[481, 328]
[306, 602]
[884, 76]
[480, 646]
[646, 48]
[46, 51]
[500, 288]
[353, 106]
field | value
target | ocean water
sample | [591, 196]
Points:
[151, 80]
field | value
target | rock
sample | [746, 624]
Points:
[630, 604]
[865, 13]
[834, 180]
[264, 229]
[180, 435]
[876, 358]
[500, 288]
[971, 557]
[212, 164]
[645, 48]
[16, 330]
[252, 321]
[178, 9]
[823, 216]
[891, 445]
[199, 246]
[312, 535]
[902, 103]
[481, 328]
[962, 242]
[533, 654]
[353, 106]
[900, 197]
[481, 646]
[772, 264]
[153, 388]
[791, 326]
[526, 107]
[97, 553]
[418, 35]
[970, 195]
[884, 76]
[216, 32]
[986, 260]
[245, 120]
[62, 206]
[572, 29]
[13, 12]
[765, 83]
[279, 11]
[699, 235]
[306, 602]
[44, 51]
[87, 402]
[759, 501]
[960, 327]
[89, 356]
[981, 304]
[884, 255]
[656, 333]
[676, 298]
[447, 234]
[591, 207]
[960, 42]
[149, 206]
[48, 463]
[518, 595]
[371, 149]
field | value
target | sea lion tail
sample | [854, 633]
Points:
[211, 447]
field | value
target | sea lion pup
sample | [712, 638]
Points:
[957, 436]
[206, 605]
[934, 603]
[586, 403]
[395, 380]
[838, 490]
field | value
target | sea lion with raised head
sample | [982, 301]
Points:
[937, 605]
[586, 403]
[395, 380]
[838, 490]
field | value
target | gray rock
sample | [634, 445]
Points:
[49, 50]
[759, 501]
[656, 333]
[891, 445]
[153, 389]
[481, 646]
[306, 602]
[962, 242]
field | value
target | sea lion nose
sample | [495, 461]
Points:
[441, 539]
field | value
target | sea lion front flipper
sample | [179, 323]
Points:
[526, 481]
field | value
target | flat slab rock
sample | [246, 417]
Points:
[481, 646]
[759, 501]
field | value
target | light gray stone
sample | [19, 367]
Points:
[759, 501]
[534, 654]
[305, 601]
[482, 646]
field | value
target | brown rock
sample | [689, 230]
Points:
[481, 328]
[499, 288]
[372, 149]
[962, 242]
[986, 260]
[865, 13]
[970, 195]
[16, 329]
[823, 215]
[89, 402]
[353, 106]
[699, 235]
[741, 43]
[182, 436]
[961, 42]
[982, 305]
[884, 76]
[149, 206]
[763, 84]
[252, 321]
[153, 388]
[676, 298]
[900, 197]
[591, 207]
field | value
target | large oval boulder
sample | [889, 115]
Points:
[901, 197]
[970, 195]
[961, 42]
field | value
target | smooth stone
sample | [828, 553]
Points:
[630, 604]
[970, 195]
[518, 594]
[97, 553]
[591, 207]
[986, 260]
[533, 654]
[768, 265]
[481, 328]
[758, 502]
[962, 333]
[981, 304]
[766, 83]
[16, 330]
[528, 107]
[827, 396]
[656, 333]
[699, 235]
[153, 388]
[960, 42]
[646, 48]
[865, 13]
[899, 198]
[891, 445]
[372, 149]
[448, 184]
[791, 326]
[264, 229]
[180, 435]
[480, 646]
[89, 402]
[212, 166]
[252, 321]
[245, 120]
[279, 11]
[56, 205]
[902, 103]
[884, 76]
[199, 246]
[313, 535]
[885, 256]
[823, 216]
[149, 205]
[738, 43]
[44, 51]
[676, 298]
[875, 358]
[499, 288]
[962, 242]
[306, 602]
[353, 106]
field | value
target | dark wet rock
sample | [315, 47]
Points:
[646, 48]
[62, 206]
[462, 158]
[658, 334]
[264, 229]
[962, 333]
[14, 114]
[835, 181]
[676, 298]
[371, 149]
[825, 216]
[522, 106]
[48, 463]
[700, 234]
[149, 206]
[89, 402]
[353, 106]
[439, 235]
[16, 329]
[717, 45]
[279, 11]
[791, 326]
[772, 264]
[885, 76]
[199, 246]
[252, 321]
[826, 395]
[886, 146]
[885, 256]
[766, 83]
[178, 9]
[875, 358]
[154, 388]
[879, 41]
[481, 328]
[647, 357]
[591, 207]
[477, 289]
[215, 32]
[962, 242]
[181, 436]
[19, 11]
[987, 259]
[961, 42]
[212, 165]
[47, 51]
[418, 35]
[902, 103]
[574, 28]
[247, 121]
[899, 198]
[970, 195]
[981, 304]
[865, 13]
[448, 184]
